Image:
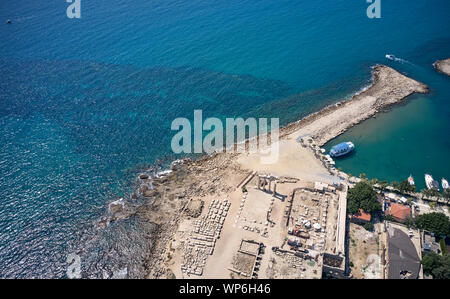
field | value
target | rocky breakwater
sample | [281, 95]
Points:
[388, 87]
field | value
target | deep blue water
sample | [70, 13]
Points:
[86, 104]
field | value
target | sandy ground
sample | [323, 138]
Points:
[219, 176]
[364, 253]
[443, 66]
[294, 161]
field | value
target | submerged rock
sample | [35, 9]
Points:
[144, 176]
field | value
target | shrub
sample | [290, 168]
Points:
[383, 185]
[369, 226]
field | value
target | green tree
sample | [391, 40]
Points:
[395, 185]
[383, 185]
[430, 261]
[436, 265]
[362, 196]
[409, 222]
[430, 192]
[389, 218]
[405, 186]
[437, 223]
[443, 246]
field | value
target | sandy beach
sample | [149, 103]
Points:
[174, 198]
[443, 66]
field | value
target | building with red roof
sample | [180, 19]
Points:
[361, 217]
[399, 212]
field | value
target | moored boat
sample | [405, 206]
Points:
[430, 182]
[342, 149]
[411, 180]
[444, 184]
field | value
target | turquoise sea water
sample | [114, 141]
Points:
[412, 138]
[85, 105]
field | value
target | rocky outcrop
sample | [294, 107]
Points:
[144, 176]
[443, 66]
[116, 207]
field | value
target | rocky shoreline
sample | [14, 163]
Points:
[443, 66]
[221, 173]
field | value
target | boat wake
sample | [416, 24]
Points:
[394, 58]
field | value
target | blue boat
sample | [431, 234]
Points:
[342, 149]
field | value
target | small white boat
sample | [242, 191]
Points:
[430, 182]
[444, 184]
[411, 180]
[390, 57]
